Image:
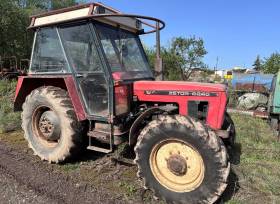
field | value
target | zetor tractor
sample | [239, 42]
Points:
[89, 78]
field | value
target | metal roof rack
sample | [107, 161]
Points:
[99, 12]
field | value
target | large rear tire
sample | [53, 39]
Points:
[50, 124]
[182, 161]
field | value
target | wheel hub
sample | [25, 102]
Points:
[177, 165]
[49, 126]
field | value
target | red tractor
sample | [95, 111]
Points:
[89, 78]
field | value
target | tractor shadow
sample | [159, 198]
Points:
[84, 156]
[122, 155]
[233, 180]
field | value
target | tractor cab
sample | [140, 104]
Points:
[89, 78]
[99, 47]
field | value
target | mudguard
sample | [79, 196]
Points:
[150, 111]
[26, 84]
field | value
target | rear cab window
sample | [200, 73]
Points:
[48, 54]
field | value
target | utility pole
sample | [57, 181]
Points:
[216, 66]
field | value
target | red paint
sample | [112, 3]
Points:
[75, 98]
[19, 84]
[121, 94]
[27, 84]
[117, 76]
[121, 99]
[217, 104]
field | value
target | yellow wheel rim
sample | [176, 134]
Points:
[177, 165]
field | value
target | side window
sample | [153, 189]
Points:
[81, 50]
[47, 54]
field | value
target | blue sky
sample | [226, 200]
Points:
[236, 31]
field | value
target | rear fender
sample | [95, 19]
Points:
[26, 84]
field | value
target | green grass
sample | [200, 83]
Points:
[259, 169]
[9, 120]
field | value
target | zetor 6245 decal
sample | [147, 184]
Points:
[90, 80]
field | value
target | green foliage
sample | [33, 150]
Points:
[171, 66]
[272, 64]
[180, 58]
[57, 4]
[190, 52]
[258, 64]
[15, 40]
[129, 188]
[9, 120]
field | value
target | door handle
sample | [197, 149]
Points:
[79, 75]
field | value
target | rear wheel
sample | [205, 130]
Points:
[181, 161]
[50, 124]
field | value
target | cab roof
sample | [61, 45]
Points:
[97, 11]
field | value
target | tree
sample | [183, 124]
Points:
[57, 4]
[15, 40]
[257, 64]
[190, 52]
[14, 20]
[272, 64]
[171, 65]
[180, 57]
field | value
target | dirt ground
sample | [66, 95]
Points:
[92, 178]
[24, 178]
[29, 180]
[97, 178]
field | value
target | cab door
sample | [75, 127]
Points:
[84, 58]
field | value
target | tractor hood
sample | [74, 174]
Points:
[177, 88]
[184, 95]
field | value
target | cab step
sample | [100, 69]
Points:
[99, 149]
[101, 135]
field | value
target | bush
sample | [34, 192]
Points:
[9, 120]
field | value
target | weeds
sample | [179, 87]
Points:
[129, 188]
[9, 120]
[258, 172]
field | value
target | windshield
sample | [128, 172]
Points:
[124, 53]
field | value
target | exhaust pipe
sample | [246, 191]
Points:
[158, 62]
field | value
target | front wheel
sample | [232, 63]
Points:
[181, 161]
